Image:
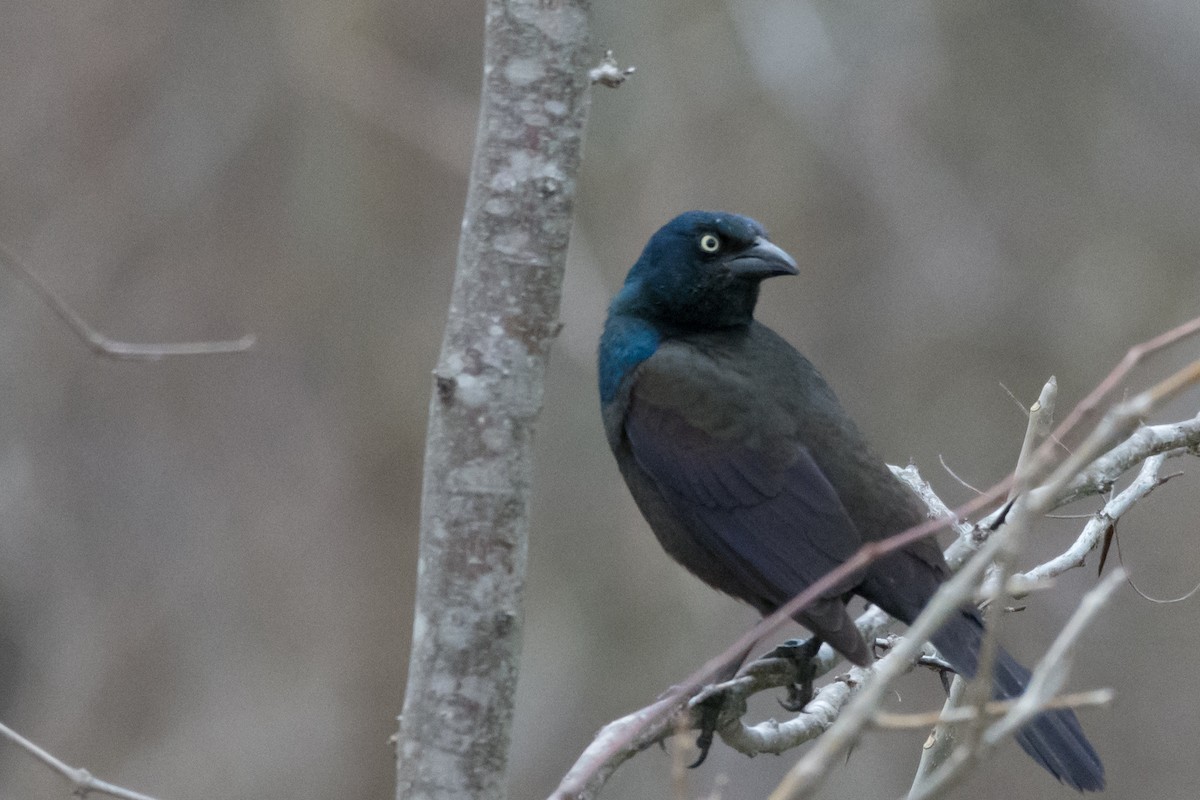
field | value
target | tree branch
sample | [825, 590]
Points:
[82, 782]
[1047, 678]
[455, 727]
[1146, 481]
[115, 348]
[1174, 440]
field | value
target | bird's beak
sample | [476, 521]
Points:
[762, 260]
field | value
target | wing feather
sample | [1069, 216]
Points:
[775, 525]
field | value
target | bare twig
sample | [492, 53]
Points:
[608, 72]
[811, 769]
[1052, 670]
[1146, 482]
[1164, 601]
[1047, 679]
[114, 348]
[979, 690]
[778, 737]
[82, 782]
[1119, 422]
[616, 743]
[1098, 477]
[1041, 416]
[944, 737]
[888, 720]
[968, 537]
[955, 475]
[1131, 359]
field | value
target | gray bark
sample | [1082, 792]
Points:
[454, 732]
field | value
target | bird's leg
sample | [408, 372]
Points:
[942, 667]
[708, 709]
[709, 712]
[801, 653]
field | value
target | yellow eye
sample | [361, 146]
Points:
[710, 243]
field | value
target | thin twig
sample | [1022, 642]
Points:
[1054, 667]
[1146, 482]
[812, 768]
[1040, 418]
[778, 737]
[943, 738]
[1131, 359]
[979, 691]
[1172, 439]
[115, 348]
[955, 475]
[1156, 600]
[82, 781]
[1047, 679]
[889, 720]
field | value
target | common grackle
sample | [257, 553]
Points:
[753, 477]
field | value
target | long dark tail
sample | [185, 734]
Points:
[1054, 739]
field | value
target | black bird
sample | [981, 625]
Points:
[753, 477]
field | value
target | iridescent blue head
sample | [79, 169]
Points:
[700, 271]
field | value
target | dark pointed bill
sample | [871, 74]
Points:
[763, 260]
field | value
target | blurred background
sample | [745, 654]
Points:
[206, 565]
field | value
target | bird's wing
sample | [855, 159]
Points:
[727, 462]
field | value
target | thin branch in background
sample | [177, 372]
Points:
[82, 782]
[114, 348]
[1051, 387]
[1047, 679]
[979, 691]
[1041, 417]
[1143, 595]
[955, 475]
[1173, 439]
[890, 720]
[1013, 396]
[807, 774]
[1146, 482]
[1131, 359]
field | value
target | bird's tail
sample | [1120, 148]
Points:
[1054, 739]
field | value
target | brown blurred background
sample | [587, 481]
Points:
[206, 565]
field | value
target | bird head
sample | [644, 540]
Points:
[702, 270]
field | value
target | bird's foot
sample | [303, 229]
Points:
[708, 713]
[801, 653]
[944, 671]
[929, 659]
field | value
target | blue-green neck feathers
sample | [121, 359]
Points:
[701, 271]
[627, 341]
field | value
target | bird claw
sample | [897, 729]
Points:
[709, 711]
[943, 669]
[797, 697]
[801, 653]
